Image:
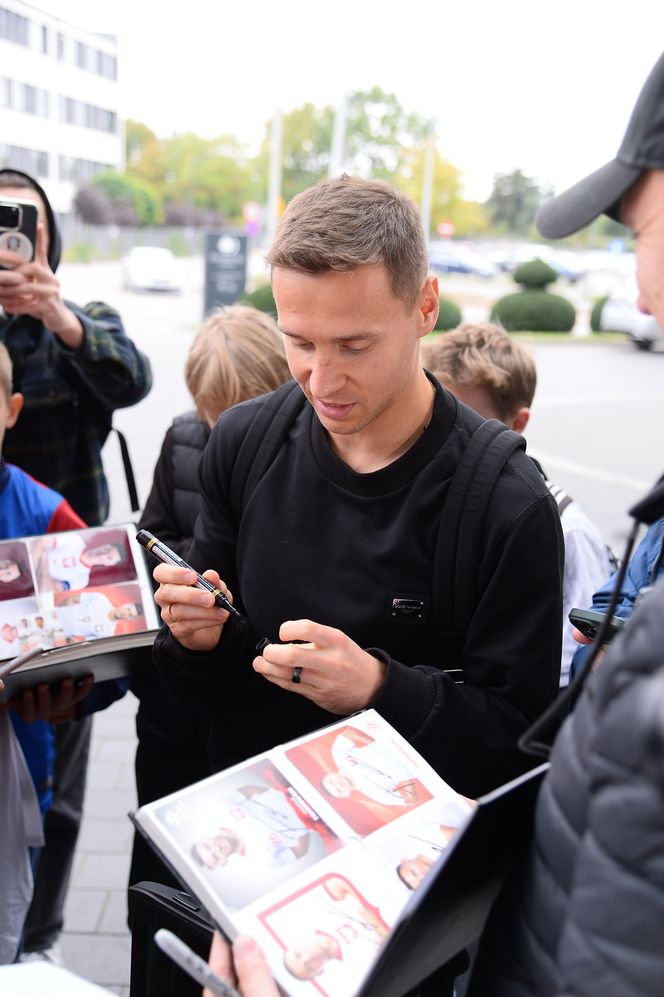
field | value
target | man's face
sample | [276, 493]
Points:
[337, 785]
[107, 555]
[9, 570]
[643, 212]
[128, 611]
[308, 960]
[351, 344]
[413, 870]
[214, 851]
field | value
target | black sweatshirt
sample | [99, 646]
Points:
[319, 541]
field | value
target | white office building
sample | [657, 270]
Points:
[59, 100]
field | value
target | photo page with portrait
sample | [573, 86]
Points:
[74, 595]
[314, 847]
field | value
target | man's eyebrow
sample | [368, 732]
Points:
[335, 339]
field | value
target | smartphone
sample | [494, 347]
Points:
[588, 621]
[18, 227]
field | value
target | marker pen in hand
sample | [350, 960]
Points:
[168, 556]
[193, 964]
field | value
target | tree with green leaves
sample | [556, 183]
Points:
[132, 201]
[513, 202]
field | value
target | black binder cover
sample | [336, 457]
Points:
[448, 913]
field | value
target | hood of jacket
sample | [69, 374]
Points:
[54, 240]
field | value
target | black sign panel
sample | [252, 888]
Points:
[225, 269]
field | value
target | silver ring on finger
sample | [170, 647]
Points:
[296, 677]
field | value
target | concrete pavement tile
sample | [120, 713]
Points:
[112, 803]
[114, 749]
[114, 916]
[104, 776]
[102, 834]
[126, 776]
[83, 909]
[102, 871]
[104, 959]
[111, 723]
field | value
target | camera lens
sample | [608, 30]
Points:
[10, 216]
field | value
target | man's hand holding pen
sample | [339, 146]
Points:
[318, 662]
[191, 614]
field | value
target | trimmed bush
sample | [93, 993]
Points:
[535, 275]
[449, 315]
[596, 314]
[262, 299]
[534, 311]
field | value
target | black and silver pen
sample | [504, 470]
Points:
[192, 963]
[164, 554]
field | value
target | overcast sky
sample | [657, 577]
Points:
[545, 87]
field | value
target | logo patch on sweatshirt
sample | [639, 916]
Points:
[408, 608]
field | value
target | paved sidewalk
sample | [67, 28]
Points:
[96, 943]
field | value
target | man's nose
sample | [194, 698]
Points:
[326, 378]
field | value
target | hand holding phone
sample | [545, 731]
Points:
[18, 228]
[589, 621]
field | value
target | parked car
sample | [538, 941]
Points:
[451, 257]
[620, 314]
[150, 268]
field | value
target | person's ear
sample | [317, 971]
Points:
[14, 406]
[428, 305]
[519, 420]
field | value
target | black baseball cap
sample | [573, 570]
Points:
[642, 149]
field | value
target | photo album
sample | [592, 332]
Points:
[315, 847]
[82, 597]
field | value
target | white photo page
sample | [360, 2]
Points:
[314, 848]
[74, 593]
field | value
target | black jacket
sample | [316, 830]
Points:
[319, 541]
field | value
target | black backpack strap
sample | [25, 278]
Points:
[262, 441]
[128, 470]
[458, 550]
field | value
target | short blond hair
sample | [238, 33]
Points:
[6, 371]
[347, 222]
[237, 354]
[484, 355]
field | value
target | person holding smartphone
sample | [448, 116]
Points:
[74, 366]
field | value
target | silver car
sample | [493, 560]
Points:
[620, 314]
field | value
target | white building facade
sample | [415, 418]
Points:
[59, 100]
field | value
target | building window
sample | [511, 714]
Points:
[29, 99]
[80, 170]
[44, 39]
[13, 27]
[33, 161]
[81, 51]
[6, 92]
[75, 112]
[107, 65]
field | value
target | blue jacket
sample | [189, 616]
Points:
[645, 567]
